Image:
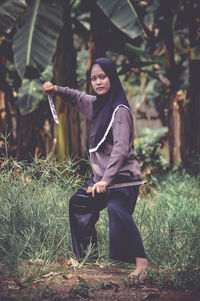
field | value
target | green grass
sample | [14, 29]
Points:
[168, 217]
[34, 222]
[34, 211]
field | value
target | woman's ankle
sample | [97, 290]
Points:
[142, 263]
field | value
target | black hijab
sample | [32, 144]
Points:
[105, 106]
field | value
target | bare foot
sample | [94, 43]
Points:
[140, 270]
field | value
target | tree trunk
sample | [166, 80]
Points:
[194, 89]
[183, 121]
[194, 107]
[97, 48]
[7, 130]
[68, 131]
[179, 127]
[173, 115]
[97, 43]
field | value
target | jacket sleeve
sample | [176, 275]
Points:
[81, 101]
[122, 128]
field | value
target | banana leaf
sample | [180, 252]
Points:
[10, 10]
[133, 49]
[122, 14]
[36, 37]
[29, 96]
[195, 53]
[30, 93]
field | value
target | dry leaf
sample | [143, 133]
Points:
[51, 274]
[73, 262]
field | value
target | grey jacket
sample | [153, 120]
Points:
[116, 155]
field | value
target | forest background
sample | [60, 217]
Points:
[154, 44]
[156, 47]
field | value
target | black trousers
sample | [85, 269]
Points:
[125, 243]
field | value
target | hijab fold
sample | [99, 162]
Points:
[105, 106]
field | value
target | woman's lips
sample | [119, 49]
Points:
[99, 88]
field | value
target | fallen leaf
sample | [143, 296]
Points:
[102, 265]
[51, 274]
[12, 285]
[73, 262]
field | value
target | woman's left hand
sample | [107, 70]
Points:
[99, 187]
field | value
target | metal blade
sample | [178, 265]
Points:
[126, 184]
[51, 104]
[89, 189]
[53, 109]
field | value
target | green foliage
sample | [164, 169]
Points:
[10, 11]
[168, 218]
[131, 282]
[29, 96]
[30, 92]
[35, 27]
[193, 164]
[147, 148]
[180, 279]
[36, 37]
[123, 15]
[82, 69]
[34, 210]
[34, 224]
[81, 290]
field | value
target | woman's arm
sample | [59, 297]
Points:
[81, 101]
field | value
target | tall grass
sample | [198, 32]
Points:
[169, 220]
[34, 222]
[168, 217]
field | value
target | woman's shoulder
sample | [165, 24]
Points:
[123, 113]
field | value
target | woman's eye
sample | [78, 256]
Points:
[93, 79]
[102, 76]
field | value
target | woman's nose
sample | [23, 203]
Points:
[98, 81]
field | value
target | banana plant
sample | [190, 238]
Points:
[37, 26]
[173, 43]
[123, 15]
[10, 11]
[30, 92]
[36, 37]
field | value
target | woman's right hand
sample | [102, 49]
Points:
[49, 89]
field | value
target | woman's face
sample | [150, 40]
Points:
[99, 80]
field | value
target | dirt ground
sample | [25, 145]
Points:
[90, 282]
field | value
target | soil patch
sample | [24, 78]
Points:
[91, 282]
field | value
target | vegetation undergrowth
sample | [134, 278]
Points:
[168, 218]
[34, 222]
[81, 290]
[148, 151]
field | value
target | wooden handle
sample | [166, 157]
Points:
[89, 190]
[42, 80]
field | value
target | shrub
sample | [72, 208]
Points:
[148, 151]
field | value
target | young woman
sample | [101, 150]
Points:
[113, 160]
